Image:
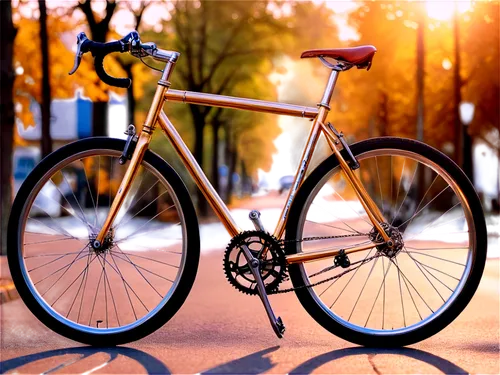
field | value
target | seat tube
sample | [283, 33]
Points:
[140, 150]
[311, 142]
[330, 86]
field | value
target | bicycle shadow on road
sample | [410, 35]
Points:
[258, 363]
[441, 364]
[151, 364]
[255, 363]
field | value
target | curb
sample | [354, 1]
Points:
[8, 291]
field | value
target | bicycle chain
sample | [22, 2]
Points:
[277, 291]
[326, 237]
[292, 289]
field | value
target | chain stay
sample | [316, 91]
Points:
[276, 291]
[363, 261]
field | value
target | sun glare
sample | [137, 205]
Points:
[444, 10]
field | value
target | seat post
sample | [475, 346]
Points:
[330, 86]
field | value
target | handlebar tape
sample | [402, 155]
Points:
[105, 77]
[99, 51]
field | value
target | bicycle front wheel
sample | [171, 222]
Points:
[148, 263]
[389, 296]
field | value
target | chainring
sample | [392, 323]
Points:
[272, 268]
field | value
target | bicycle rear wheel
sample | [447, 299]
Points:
[148, 263]
[387, 297]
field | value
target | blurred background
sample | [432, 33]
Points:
[435, 78]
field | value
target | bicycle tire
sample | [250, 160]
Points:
[318, 311]
[188, 263]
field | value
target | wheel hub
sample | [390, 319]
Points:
[107, 244]
[392, 247]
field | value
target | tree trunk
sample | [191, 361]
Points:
[233, 160]
[6, 117]
[383, 129]
[99, 119]
[130, 95]
[243, 179]
[199, 127]
[46, 138]
[420, 71]
[215, 156]
[98, 30]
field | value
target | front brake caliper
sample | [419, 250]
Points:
[129, 146]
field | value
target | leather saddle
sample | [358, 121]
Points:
[361, 56]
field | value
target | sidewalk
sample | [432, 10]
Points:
[7, 290]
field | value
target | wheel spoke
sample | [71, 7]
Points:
[72, 192]
[90, 190]
[428, 226]
[117, 255]
[407, 288]
[142, 209]
[74, 280]
[361, 292]
[382, 284]
[143, 225]
[68, 266]
[401, 295]
[139, 271]
[81, 283]
[415, 289]
[134, 201]
[351, 229]
[430, 282]
[60, 229]
[437, 225]
[125, 283]
[406, 194]
[151, 259]
[70, 211]
[417, 212]
[432, 256]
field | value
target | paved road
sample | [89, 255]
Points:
[219, 330]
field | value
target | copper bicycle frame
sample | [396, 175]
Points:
[318, 115]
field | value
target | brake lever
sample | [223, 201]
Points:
[144, 50]
[80, 40]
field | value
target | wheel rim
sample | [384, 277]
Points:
[430, 271]
[125, 285]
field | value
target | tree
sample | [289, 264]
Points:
[214, 39]
[302, 81]
[99, 29]
[6, 116]
[27, 61]
[46, 138]
[129, 63]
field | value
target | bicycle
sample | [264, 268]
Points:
[371, 206]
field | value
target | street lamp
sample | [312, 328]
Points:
[466, 110]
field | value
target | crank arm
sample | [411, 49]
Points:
[276, 323]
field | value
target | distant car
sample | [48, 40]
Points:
[264, 183]
[286, 183]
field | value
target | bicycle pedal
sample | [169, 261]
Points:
[281, 326]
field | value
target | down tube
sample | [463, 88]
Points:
[197, 173]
